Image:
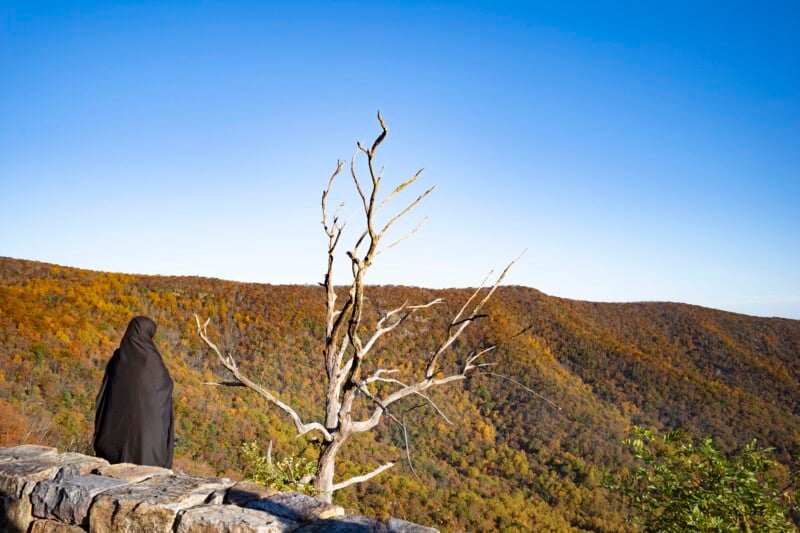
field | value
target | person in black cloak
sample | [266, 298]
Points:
[133, 420]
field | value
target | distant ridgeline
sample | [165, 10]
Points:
[44, 491]
[509, 460]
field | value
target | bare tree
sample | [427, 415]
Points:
[347, 347]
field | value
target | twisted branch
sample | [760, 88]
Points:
[229, 363]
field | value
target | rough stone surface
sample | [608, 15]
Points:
[363, 524]
[131, 472]
[245, 492]
[68, 498]
[153, 505]
[232, 519]
[19, 477]
[17, 515]
[77, 464]
[26, 451]
[296, 506]
[51, 526]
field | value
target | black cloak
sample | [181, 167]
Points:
[133, 420]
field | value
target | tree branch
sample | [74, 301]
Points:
[383, 405]
[453, 335]
[355, 179]
[435, 407]
[420, 387]
[381, 330]
[325, 193]
[229, 363]
[404, 237]
[334, 232]
[362, 478]
[399, 188]
[405, 440]
[408, 208]
[501, 376]
[376, 377]
[382, 136]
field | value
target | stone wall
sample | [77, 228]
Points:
[43, 491]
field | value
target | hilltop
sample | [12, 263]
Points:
[512, 459]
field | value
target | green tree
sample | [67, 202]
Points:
[681, 486]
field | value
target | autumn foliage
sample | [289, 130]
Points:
[511, 461]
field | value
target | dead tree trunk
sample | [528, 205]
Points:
[326, 466]
[347, 348]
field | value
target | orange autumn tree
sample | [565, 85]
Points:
[351, 375]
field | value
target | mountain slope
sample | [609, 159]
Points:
[512, 460]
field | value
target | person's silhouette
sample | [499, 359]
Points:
[133, 413]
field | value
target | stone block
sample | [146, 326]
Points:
[19, 477]
[25, 451]
[232, 519]
[152, 505]
[51, 526]
[77, 464]
[68, 498]
[131, 472]
[296, 506]
[363, 524]
[245, 492]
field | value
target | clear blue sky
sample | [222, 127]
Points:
[639, 151]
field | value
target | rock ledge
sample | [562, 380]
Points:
[45, 491]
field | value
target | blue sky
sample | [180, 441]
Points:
[639, 151]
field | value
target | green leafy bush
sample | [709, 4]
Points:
[288, 474]
[680, 486]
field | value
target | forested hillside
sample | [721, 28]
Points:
[512, 460]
